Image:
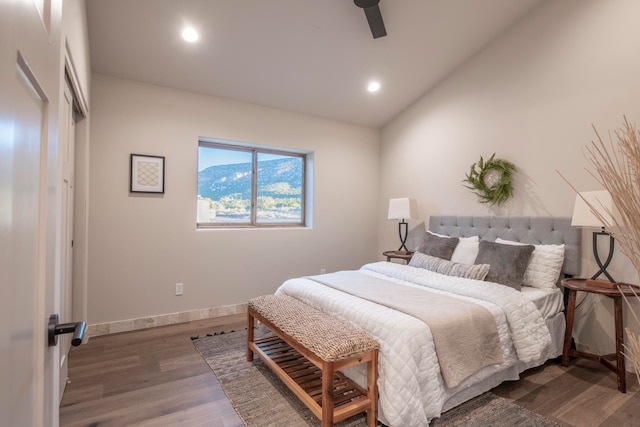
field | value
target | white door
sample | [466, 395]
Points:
[29, 209]
[67, 154]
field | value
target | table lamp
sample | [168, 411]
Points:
[583, 216]
[403, 208]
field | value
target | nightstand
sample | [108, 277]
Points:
[403, 255]
[606, 289]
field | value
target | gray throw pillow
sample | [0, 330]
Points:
[441, 247]
[449, 268]
[508, 263]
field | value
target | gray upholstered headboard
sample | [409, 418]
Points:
[525, 229]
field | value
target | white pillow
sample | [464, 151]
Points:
[544, 265]
[466, 251]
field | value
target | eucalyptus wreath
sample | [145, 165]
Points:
[491, 180]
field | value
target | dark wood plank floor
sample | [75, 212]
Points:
[585, 394]
[148, 377]
[156, 377]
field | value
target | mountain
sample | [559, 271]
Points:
[279, 179]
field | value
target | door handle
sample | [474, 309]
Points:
[55, 329]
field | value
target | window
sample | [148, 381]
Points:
[247, 186]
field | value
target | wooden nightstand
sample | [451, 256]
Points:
[403, 255]
[575, 285]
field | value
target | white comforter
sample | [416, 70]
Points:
[411, 388]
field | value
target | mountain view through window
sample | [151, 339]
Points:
[233, 181]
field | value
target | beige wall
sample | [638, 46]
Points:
[530, 97]
[141, 246]
[76, 38]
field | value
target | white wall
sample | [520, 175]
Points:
[531, 98]
[142, 245]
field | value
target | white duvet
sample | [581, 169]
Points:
[411, 388]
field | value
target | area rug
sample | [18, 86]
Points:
[262, 400]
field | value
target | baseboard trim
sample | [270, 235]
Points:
[107, 328]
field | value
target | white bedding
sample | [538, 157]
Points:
[548, 301]
[411, 388]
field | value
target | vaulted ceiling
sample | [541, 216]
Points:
[315, 57]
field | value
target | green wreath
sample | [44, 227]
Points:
[491, 180]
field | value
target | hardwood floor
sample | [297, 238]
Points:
[585, 394]
[148, 377]
[155, 377]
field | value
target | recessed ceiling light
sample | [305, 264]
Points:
[190, 35]
[373, 86]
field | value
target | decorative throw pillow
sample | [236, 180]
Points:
[544, 266]
[441, 247]
[442, 266]
[508, 263]
[466, 250]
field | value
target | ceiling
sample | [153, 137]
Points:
[313, 57]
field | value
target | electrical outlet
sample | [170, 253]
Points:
[323, 270]
[179, 288]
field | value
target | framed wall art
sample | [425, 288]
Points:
[147, 174]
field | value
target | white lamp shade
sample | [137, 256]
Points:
[601, 201]
[404, 208]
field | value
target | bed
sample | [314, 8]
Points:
[522, 326]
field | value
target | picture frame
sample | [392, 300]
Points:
[147, 174]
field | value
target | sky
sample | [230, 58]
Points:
[213, 157]
[208, 156]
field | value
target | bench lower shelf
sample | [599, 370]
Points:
[331, 396]
[305, 379]
[306, 375]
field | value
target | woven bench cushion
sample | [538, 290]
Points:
[327, 337]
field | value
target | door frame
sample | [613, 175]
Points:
[81, 202]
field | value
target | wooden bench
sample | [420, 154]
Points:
[306, 350]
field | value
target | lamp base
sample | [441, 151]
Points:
[403, 236]
[603, 265]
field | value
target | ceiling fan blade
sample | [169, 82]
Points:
[375, 21]
[374, 16]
